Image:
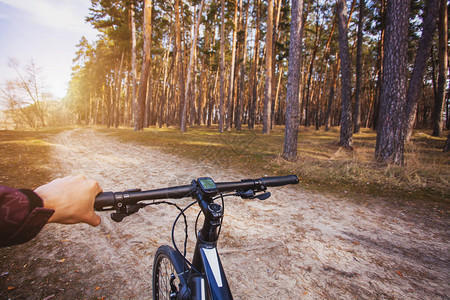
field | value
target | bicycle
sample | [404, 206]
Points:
[174, 276]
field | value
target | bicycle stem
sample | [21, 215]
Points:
[207, 236]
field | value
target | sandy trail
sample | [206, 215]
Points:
[295, 245]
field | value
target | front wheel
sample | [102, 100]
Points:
[169, 275]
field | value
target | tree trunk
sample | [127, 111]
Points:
[357, 111]
[118, 86]
[331, 95]
[380, 65]
[190, 66]
[442, 78]
[390, 134]
[277, 13]
[346, 134]
[307, 99]
[269, 57]
[222, 66]
[254, 76]
[422, 55]
[232, 71]
[243, 58]
[139, 124]
[133, 64]
[292, 101]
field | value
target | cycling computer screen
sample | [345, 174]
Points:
[207, 185]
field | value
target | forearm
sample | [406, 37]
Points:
[22, 216]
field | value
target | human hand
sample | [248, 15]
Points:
[72, 198]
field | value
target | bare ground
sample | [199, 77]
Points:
[296, 245]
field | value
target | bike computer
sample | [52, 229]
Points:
[207, 186]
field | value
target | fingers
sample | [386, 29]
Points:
[94, 187]
[94, 220]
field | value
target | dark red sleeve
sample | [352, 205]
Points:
[22, 216]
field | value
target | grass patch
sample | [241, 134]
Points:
[322, 164]
[25, 158]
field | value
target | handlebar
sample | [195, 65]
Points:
[112, 199]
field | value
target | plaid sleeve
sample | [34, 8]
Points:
[22, 216]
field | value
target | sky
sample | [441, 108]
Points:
[45, 31]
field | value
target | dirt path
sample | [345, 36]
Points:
[294, 245]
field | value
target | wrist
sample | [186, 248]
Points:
[34, 199]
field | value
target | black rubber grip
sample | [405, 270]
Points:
[108, 199]
[104, 200]
[280, 180]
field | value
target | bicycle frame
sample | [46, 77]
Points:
[206, 258]
[204, 278]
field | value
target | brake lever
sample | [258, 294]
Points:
[263, 196]
[125, 211]
[118, 216]
[246, 194]
[250, 194]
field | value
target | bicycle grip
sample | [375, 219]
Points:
[280, 180]
[105, 199]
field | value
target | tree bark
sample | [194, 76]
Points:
[118, 87]
[357, 110]
[179, 60]
[442, 77]
[331, 95]
[390, 134]
[133, 64]
[346, 134]
[222, 66]
[139, 123]
[190, 66]
[269, 57]
[380, 65]
[232, 71]
[422, 55]
[277, 14]
[292, 101]
[254, 76]
[243, 59]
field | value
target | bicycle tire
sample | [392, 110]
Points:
[169, 275]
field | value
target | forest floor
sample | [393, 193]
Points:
[298, 244]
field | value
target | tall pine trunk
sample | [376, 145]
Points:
[232, 71]
[179, 60]
[242, 58]
[390, 134]
[269, 57]
[346, 134]
[222, 66]
[133, 64]
[331, 95]
[357, 108]
[422, 55]
[380, 65]
[254, 76]
[190, 66]
[139, 123]
[292, 101]
[442, 77]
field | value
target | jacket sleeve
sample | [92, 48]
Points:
[22, 216]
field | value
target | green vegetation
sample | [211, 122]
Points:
[322, 164]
